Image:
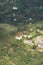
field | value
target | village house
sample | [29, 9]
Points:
[29, 36]
[38, 30]
[18, 37]
[28, 42]
[39, 40]
[14, 19]
[25, 36]
[36, 39]
[15, 8]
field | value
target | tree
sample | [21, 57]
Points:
[27, 9]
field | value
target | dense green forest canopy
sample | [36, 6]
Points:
[28, 11]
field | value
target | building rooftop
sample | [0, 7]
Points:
[29, 42]
[15, 8]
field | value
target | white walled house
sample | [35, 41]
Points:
[36, 39]
[38, 30]
[14, 19]
[28, 42]
[25, 36]
[18, 37]
[29, 36]
[15, 8]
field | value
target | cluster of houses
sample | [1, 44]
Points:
[19, 37]
[38, 40]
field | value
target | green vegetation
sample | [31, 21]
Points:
[26, 18]
[15, 52]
